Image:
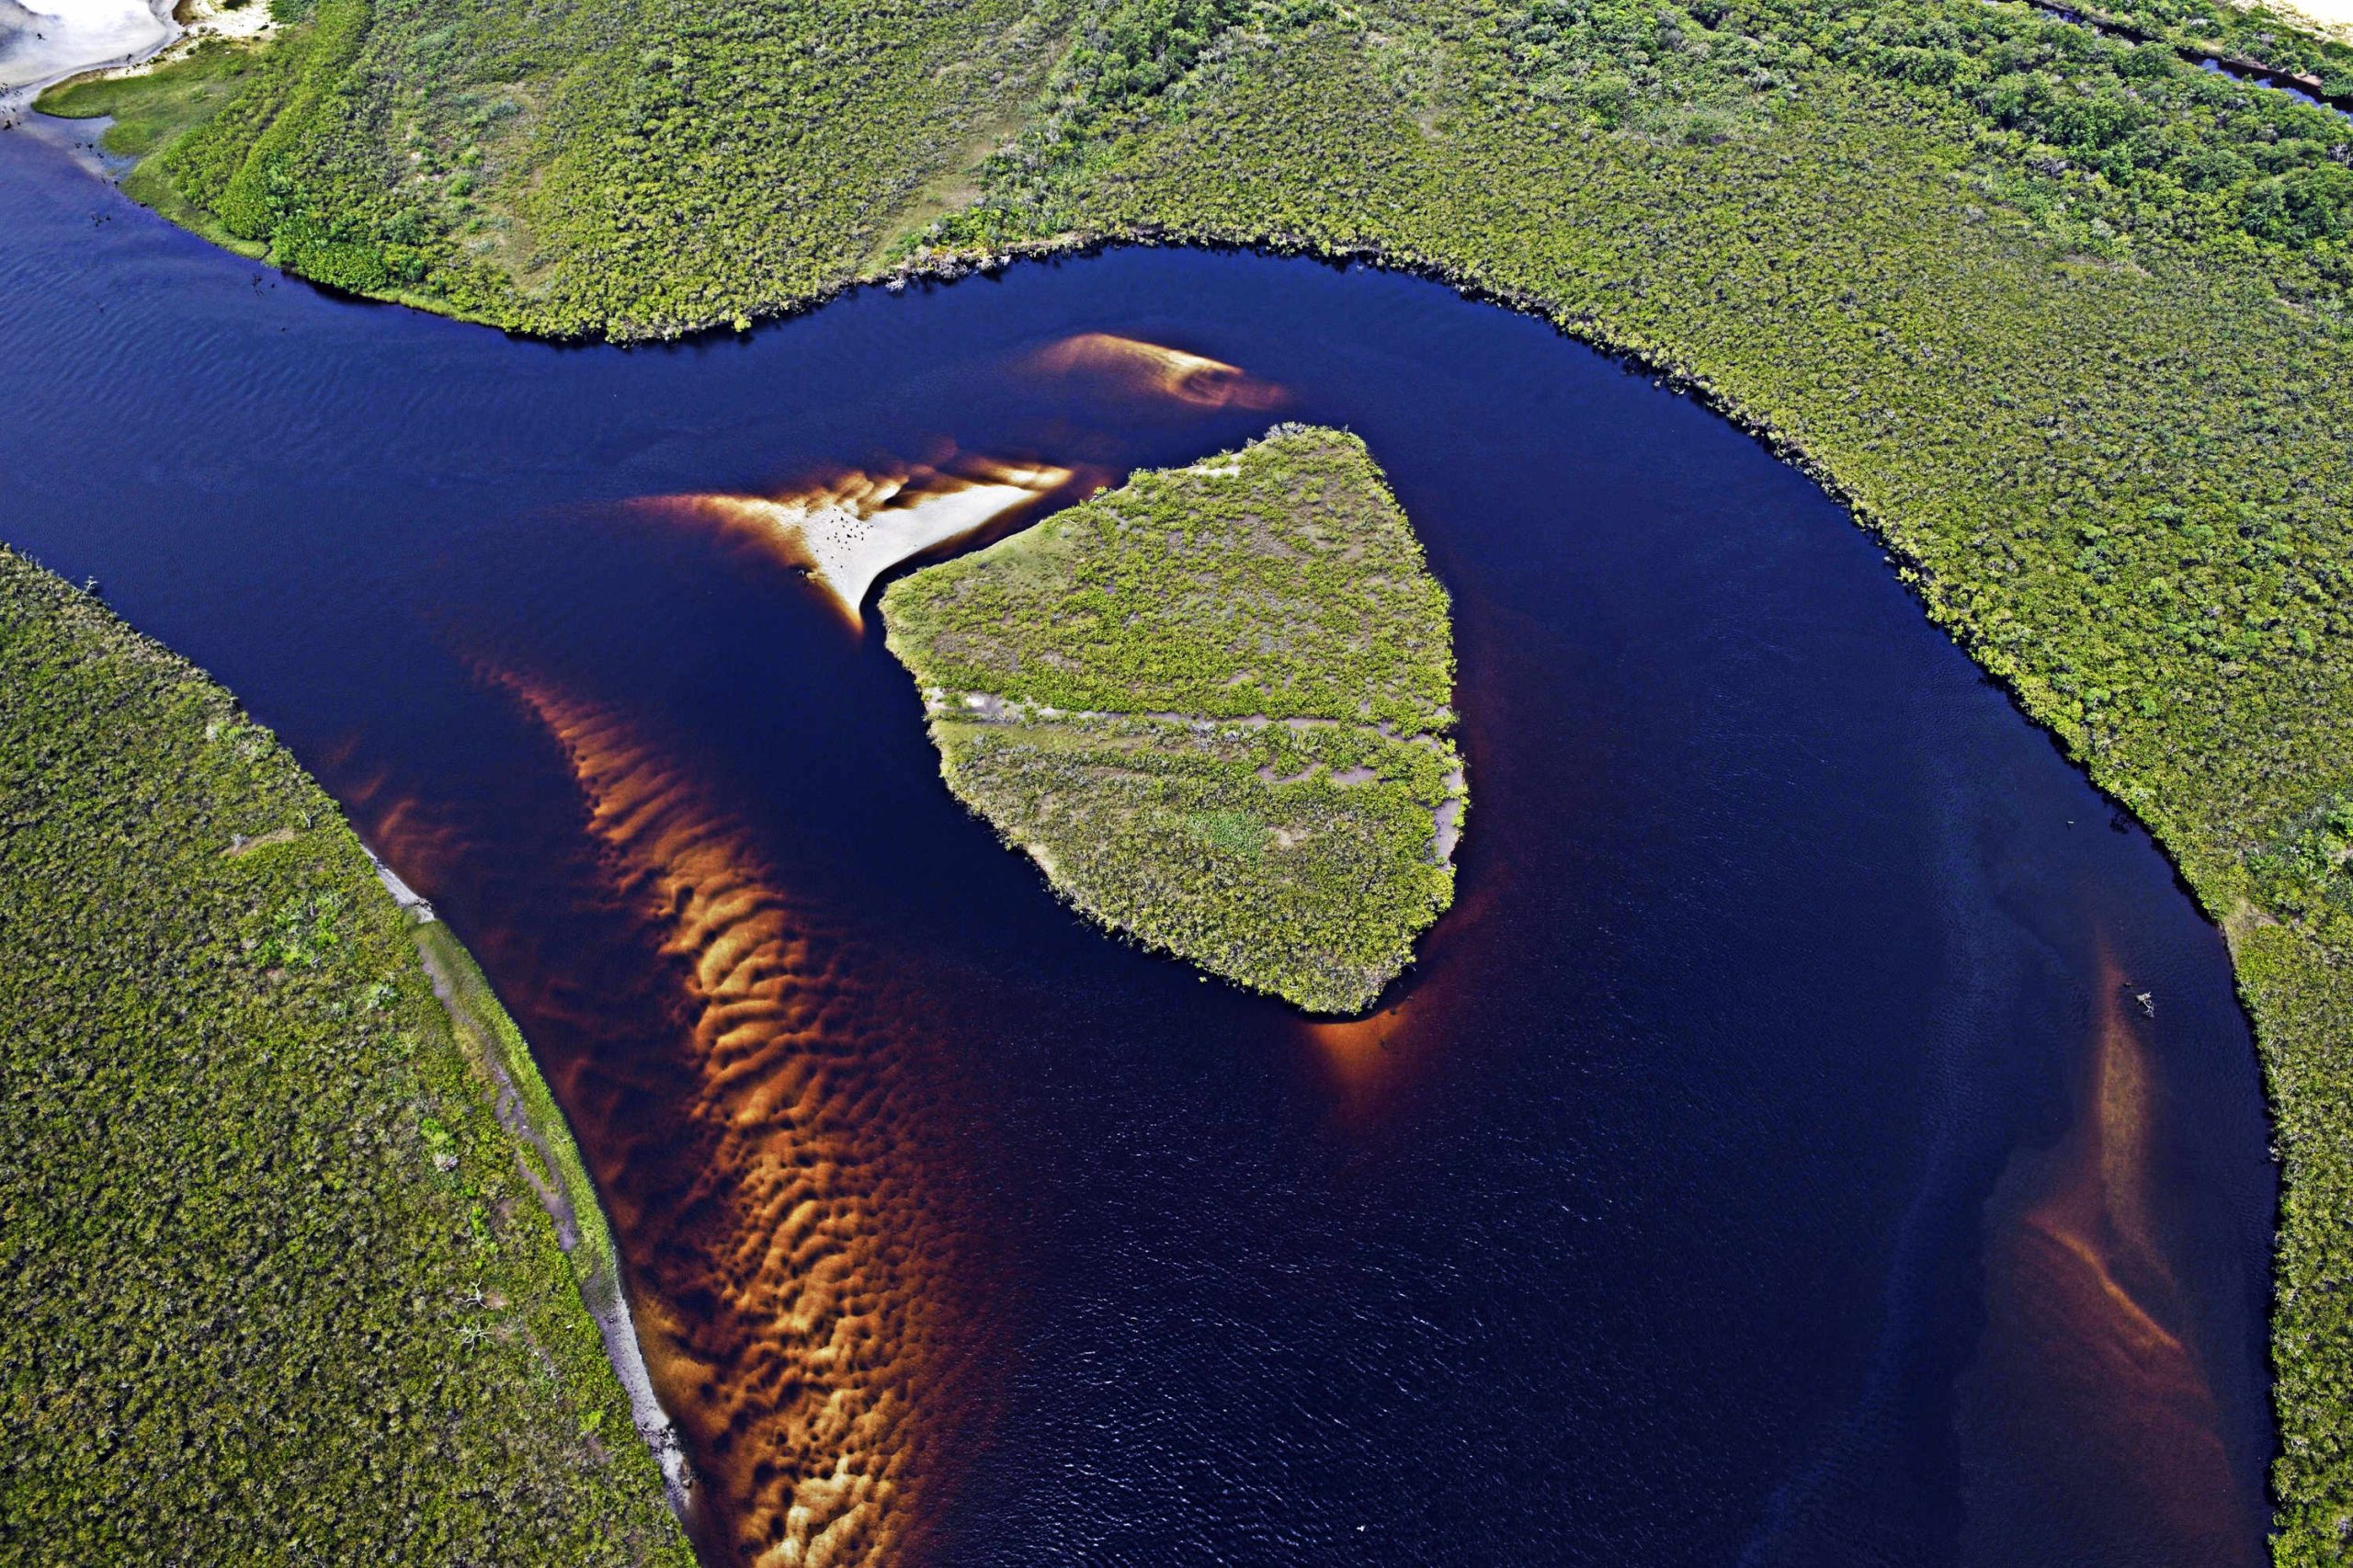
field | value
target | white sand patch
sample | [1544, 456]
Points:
[847, 534]
[48, 42]
[852, 548]
[51, 40]
[2332, 17]
[411, 902]
[203, 20]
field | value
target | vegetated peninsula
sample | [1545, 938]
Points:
[278, 1286]
[1214, 706]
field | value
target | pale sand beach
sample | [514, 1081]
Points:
[849, 533]
[54, 41]
[2331, 17]
[57, 38]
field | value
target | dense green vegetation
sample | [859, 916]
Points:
[2062, 315]
[273, 1285]
[522, 162]
[564, 170]
[1213, 705]
[2104, 142]
[572, 169]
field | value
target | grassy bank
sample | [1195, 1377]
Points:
[2063, 316]
[278, 1289]
[153, 111]
[551, 1163]
[1214, 706]
[157, 107]
[505, 161]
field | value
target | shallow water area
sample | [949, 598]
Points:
[1820, 1134]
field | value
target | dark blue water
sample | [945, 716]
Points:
[2274, 80]
[1770, 1161]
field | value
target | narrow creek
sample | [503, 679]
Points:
[1822, 1133]
[2253, 73]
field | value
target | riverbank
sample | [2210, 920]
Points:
[550, 1160]
[335, 1312]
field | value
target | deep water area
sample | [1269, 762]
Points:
[1823, 1133]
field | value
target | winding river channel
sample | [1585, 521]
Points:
[1822, 1134]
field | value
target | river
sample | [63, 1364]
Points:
[1823, 1133]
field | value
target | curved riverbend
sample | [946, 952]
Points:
[1771, 1159]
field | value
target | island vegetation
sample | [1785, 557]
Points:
[1213, 705]
[2059, 311]
[278, 1287]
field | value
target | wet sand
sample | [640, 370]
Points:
[2325, 16]
[57, 38]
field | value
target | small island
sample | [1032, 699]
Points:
[1215, 706]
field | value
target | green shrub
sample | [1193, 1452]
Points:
[1213, 705]
[276, 1289]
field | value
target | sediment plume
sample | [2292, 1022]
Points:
[850, 528]
[791, 1281]
[1156, 370]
